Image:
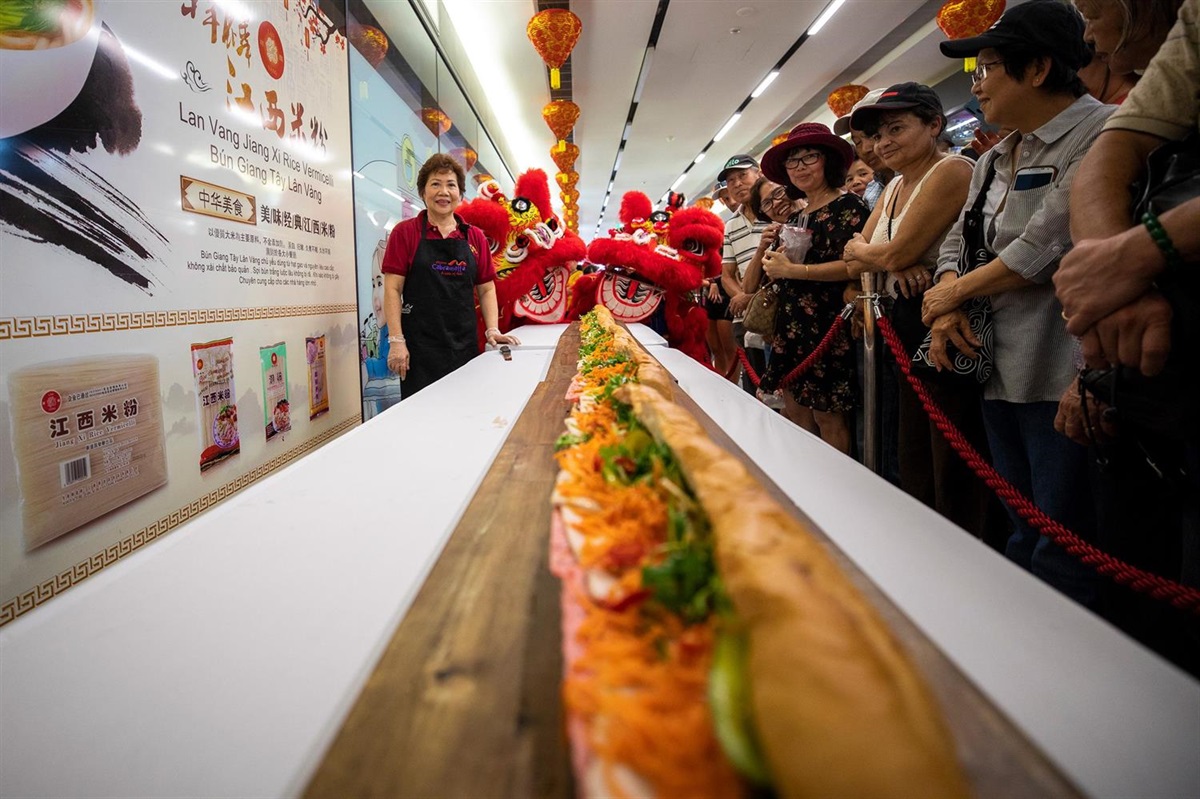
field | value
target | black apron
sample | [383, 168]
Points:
[439, 309]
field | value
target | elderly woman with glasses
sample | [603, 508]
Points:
[1026, 79]
[812, 163]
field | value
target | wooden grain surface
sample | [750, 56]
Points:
[465, 701]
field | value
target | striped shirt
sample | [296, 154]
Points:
[1034, 354]
[741, 240]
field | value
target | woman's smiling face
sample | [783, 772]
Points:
[442, 192]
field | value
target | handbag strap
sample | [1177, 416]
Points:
[974, 251]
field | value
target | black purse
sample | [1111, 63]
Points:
[973, 252]
[1162, 406]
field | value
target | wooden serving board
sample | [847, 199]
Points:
[466, 700]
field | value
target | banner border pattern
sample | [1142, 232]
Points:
[27, 601]
[17, 327]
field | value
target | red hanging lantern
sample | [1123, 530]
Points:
[371, 42]
[560, 116]
[565, 158]
[554, 33]
[960, 19]
[842, 99]
[437, 122]
[465, 156]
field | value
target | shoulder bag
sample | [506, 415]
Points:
[973, 252]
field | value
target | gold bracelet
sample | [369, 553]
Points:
[806, 277]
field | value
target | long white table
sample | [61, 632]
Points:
[222, 660]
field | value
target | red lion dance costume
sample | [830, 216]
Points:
[530, 250]
[657, 258]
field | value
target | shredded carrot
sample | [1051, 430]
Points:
[640, 682]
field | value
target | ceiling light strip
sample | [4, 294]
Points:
[826, 15]
[660, 16]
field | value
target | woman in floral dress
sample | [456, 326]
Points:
[813, 162]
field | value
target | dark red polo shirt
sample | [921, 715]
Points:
[402, 246]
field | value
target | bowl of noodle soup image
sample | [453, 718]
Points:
[225, 427]
[46, 52]
[281, 417]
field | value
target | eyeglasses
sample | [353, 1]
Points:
[776, 199]
[808, 159]
[981, 71]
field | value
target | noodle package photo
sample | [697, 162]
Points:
[318, 386]
[216, 401]
[88, 438]
[276, 406]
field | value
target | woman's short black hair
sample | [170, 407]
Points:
[835, 171]
[1061, 79]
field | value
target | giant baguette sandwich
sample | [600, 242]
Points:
[712, 644]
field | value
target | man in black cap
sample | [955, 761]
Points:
[1026, 80]
[742, 234]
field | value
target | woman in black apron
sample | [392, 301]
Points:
[430, 302]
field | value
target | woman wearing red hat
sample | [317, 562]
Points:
[813, 162]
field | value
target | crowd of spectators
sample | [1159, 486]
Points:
[1042, 284]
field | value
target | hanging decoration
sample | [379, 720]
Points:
[437, 122]
[565, 158]
[569, 196]
[482, 178]
[560, 116]
[780, 139]
[371, 42]
[961, 19]
[567, 180]
[465, 156]
[842, 99]
[704, 202]
[554, 33]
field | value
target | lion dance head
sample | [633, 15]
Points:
[532, 250]
[655, 262]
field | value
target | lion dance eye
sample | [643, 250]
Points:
[555, 228]
[693, 247]
[493, 245]
[517, 251]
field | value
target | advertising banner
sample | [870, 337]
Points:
[175, 216]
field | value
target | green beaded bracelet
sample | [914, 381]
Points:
[1162, 239]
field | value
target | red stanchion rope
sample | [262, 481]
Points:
[1181, 596]
[814, 356]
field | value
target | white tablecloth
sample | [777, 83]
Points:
[221, 661]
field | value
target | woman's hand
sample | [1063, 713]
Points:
[1070, 419]
[951, 328]
[714, 293]
[913, 281]
[495, 337]
[398, 359]
[941, 299]
[770, 235]
[853, 247]
[777, 266]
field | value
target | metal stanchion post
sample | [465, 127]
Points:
[870, 452]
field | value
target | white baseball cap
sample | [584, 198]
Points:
[842, 126]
